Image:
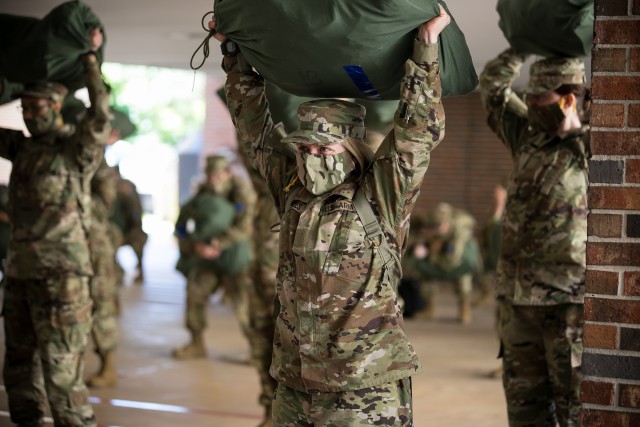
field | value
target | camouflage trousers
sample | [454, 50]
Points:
[384, 405]
[104, 294]
[542, 353]
[262, 325]
[46, 325]
[202, 283]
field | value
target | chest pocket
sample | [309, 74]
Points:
[349, 256]
[44, 182]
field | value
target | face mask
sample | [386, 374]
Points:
[322, 173]
[548, 117]
[43, 123]
[221, 186]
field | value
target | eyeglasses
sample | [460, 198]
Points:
[34, 109]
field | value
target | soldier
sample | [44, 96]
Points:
[127, 213]
[47, 312]
[449, 253]
[214, 231]
[341, 356]
[104, 285]
[263, 293]
[541, 272]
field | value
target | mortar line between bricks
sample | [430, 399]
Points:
[618, 298]
[599, 323]
[612, 352]
[620, 409]
[610, 380]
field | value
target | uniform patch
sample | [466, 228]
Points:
[298, 206]
[342, 205]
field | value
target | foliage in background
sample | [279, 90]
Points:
[161, 102]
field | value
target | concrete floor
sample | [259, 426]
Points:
[154, 390]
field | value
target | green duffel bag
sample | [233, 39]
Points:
[548, 27]
[341, 49]
[233, 260]
[48, 49]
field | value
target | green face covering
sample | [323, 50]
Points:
[322, 173]
[547, 117]
[44, 123]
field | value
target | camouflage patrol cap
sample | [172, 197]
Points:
[216, 163]
[48, 90]
[439, 214]
[328, 121]
[551, 73]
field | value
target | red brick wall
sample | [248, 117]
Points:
[610, 390]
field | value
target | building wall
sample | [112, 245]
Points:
[610, 390]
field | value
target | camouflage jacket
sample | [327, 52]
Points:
[49, 191]
[544, 238]
[103, 194]
[339, 325]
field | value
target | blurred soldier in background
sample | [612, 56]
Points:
[104, 285]
[541, 273]
[263, 294]
[449, 253]
[47, 312]
[126, 213]
[214, 233]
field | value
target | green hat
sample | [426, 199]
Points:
[53, 91]
[551, 73]
[439, 214]
[328, 121]
[216, 163]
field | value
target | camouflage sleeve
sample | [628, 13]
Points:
[93, 132]
[9, 142]
[419, 122]
[244, 198]
[506, 112]
[247, 103]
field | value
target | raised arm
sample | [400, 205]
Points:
[93, 132]
[506, 112]
[419, 120]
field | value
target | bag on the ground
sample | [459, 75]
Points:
[341, 49]
[48, 49]
[548, 27]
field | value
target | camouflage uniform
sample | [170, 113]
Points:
[126, 213]
[262, 297]
[541, 270]
[339, 329]
[104, 285]
[204, 278]
[47, 313]
[453, 256]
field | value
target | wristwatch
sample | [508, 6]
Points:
[229, 48]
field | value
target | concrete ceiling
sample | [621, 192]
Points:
[166, 32]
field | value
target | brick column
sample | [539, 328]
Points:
[610, 389]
